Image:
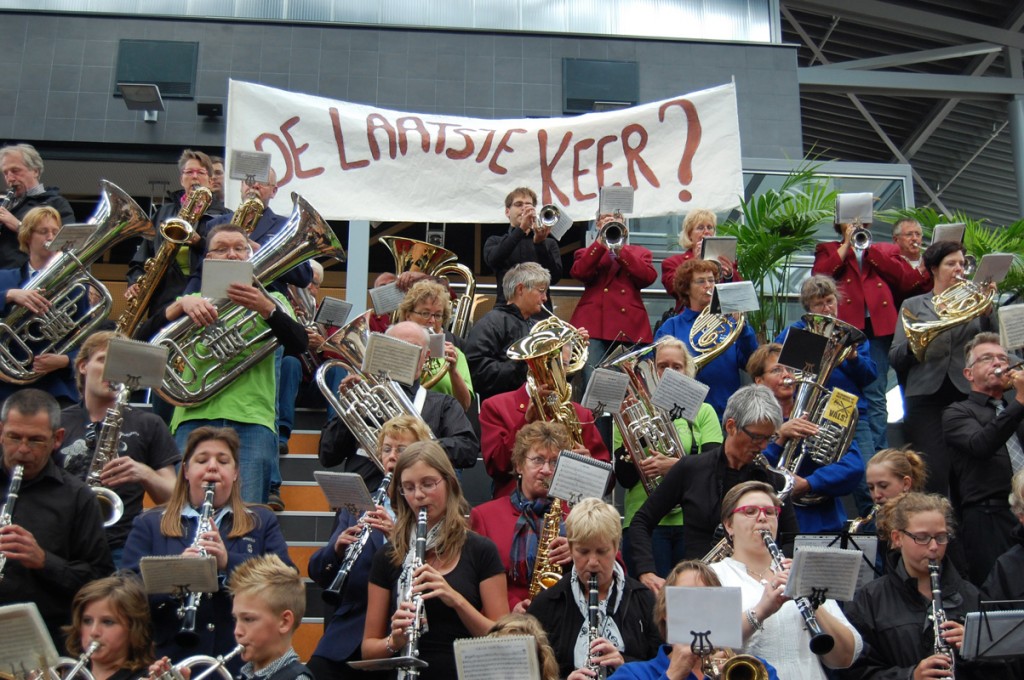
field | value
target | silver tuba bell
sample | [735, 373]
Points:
[204, 360]
[66, 281]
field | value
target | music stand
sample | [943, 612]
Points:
[993, 634]
[391, 663]
[25, 644]
[174, 574]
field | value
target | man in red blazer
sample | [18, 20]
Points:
[867, 281]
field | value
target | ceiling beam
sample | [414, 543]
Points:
[901, 18]
[922, 56]
[821, 79]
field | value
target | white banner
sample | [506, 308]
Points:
[353, 161]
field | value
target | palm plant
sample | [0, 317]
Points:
[775, 226]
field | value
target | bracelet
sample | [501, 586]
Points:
[387, 645]
[752, 620]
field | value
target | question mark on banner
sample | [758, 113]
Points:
[693, 132]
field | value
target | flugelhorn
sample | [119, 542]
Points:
[7, 512]
[613, 234]
[65, 281]
[218, 665]
[75, 667]
[548, 216]
[861, 239]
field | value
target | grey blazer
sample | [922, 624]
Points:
[944, 355]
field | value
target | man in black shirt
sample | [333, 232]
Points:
[54, 544]
[146, 452]
[22, 168]
[984, 436]
[525, 241]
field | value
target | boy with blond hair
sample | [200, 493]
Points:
[269, 602]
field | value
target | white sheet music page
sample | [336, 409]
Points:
[395, 358]
[344, 490]
[509, 657]
[714, 611]
[577, 477]
[25, 643]
[831, 570]
[385, 299]
[1011, 326]
[679, 395]
[614, 200]
[333, 312]
[605, 391]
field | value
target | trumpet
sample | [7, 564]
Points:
[861, 239]
[216, 665]
[75, 668]
[8, 509]
[613, 234]
[548, 216]
[821, 642]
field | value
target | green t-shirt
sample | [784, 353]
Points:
[706, 429]
[444, 385]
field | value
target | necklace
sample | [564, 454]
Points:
[759, 576]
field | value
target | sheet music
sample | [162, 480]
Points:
[561, 226]
[168, 574]
[993, 267]
[605, 391]
[616, 200]
[333, 312]
[71, 237]
[138, 365]
[679, 395]
[866, 546]
[25, 643]
[716, 611]
[830, 569]
[1011, 326]
[392, 357]
[245, 164]
[577, 477]
[386, 299]
[993, 635]
[713, 247]
[219, 274]
[344, 490]
[509, 657]
[435, 343]
[739, 296]
[856, 207]
[954, 231]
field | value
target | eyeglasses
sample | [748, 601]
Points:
[541, 461]
[522, 204]
[777, 369]
[704, 282]
[991, 358]
[426, 486]
[195, 173]
[388, 448]
[33, 443]
[753, 511]
[237, 250]
[704, 227]
[925, 539]
[429, 316]
[757, 438]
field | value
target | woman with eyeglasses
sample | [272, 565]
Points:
[515, 522]
[462, 581]
[698, 225]
[697, 483]
[773, 627]
[893, 612]
[695, 286]
[429, 304]
[344, 630]
[828, 482]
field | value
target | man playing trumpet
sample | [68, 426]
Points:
[526, 240]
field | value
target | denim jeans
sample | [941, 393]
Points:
[878, 414]
[865, 438]
[258, 455]
[289, 378]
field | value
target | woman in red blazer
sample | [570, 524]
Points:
[698, 225]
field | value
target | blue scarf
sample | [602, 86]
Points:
[525, 535]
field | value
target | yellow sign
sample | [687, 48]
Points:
[841, 408]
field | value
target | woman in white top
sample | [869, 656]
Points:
[772, 625]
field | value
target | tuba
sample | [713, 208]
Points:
[833, 411]
[956, 305]
[106, 450]
[204, 360]
[176, 231]
[646, 429]
[542, 352]
[367, 405]
[419, 256]
[712, 333]
[545, 572]
[65, 282]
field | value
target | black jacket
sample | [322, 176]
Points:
[501, 253]
[1006, 580]
[557, 611]
[10, 256]
[976, 438]
[492, 371]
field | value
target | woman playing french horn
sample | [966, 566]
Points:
[428, 303]
[772, 625]
[461, 582]
[516, 523]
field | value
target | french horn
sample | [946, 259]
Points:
[958, 304]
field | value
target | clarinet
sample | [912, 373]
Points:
[187, 636]
[8, 509]
[939, 618]
[593, 626]
[332, 595]
[412, 648]
[8, 199]
[821, 642]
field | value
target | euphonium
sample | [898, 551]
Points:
[712, 333]
[65, 282]
[733, 666]
[332, 595]
[187, 636]
[938, 616]
[812, 398]
[304, 304]
[204, 360]
[76, 667]
[542, 352]
[365, 406]
[646, 429]
[958, 304]
[249, 212]
[545, 572]
[216, 665]
[594, 626]
[821, 642]
[419, 256]
[176, 232]
[106, 449]
[7, 512]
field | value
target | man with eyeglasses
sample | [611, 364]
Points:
[22, 167]
[55, 543]
[984, 435]
[905, 249]
[525, 241]
[697, 484]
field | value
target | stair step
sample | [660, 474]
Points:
[300, 552]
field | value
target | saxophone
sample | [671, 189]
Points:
[545, 572]
[8, 510]
[332, 595]
[938, 617]
[187, 636]
[594, 627]
[854, 525]
[176, 231]
[106, 450]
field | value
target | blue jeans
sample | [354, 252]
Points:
[258, 455]
[334, 377]
[865, 438]
[289, 377]
[878, 414]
